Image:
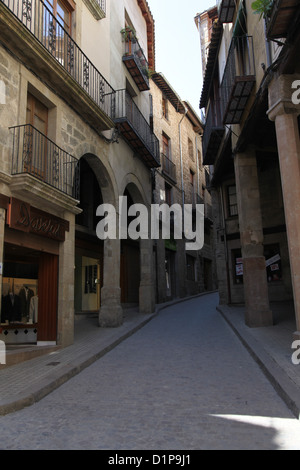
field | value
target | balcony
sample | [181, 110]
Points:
[135, 60]
[97, 8]
[168, 168]
[135, 130]
[226, 10]
[212, 137]
[282, 14]
[238, 79]
[36, 155]
[30, 30]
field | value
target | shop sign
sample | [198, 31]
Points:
[24, 217]
[272, 260]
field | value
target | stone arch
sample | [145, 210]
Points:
[141, 252]
[104, 176]
[135, 188]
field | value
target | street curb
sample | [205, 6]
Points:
[284, 386]
[71, 371]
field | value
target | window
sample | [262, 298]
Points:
[190, 268]
[166, 146]
[273, 262]
[232, 201]
[62, 10]
[165, 107]
[191, 149]
[55, 38]
[168, 194]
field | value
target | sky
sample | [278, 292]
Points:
[177, 45]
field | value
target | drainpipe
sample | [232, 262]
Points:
[198, 172]
[181, 158]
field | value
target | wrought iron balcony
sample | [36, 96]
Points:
[238, 79]
[212, 137]
[97, 8]
[282, 14]
[226, 9]
[135, 60]
[30, 29]
[135, 130]
[34, 154]
[168, 168]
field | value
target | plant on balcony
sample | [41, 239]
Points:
[129, 34]
[263, 8]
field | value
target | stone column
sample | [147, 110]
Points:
[161, 271]
[258, 311]
[66, 286]
[285, 114]
[146, 292]
[111, 312]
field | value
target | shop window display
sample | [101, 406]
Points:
[19, 306]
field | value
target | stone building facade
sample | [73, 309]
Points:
[75, 134]
[251, 139]
[181, 179]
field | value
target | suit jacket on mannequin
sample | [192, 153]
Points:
[25, 295]
[11, 308]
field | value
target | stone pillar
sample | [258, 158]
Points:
[285, 114]
[66, 286]
[111, 312]
[258, 311]
[146, 292]
[161, 271]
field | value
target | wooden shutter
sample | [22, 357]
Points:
[48, 293]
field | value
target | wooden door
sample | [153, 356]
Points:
[35, 160]
[48, 296]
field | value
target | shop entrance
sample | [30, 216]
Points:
[29, 296]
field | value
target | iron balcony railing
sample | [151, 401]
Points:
[168, 167]
[39, 20]
[238, 79]
[134, 50]
[102, 4]
[33, 153]
[212, 136]
[135, 127]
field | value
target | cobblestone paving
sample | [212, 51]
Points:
[184, 381]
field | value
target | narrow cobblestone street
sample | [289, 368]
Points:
[184, 381]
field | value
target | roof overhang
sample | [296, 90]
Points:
[212, 56]
[169, 92]
[143, 4]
